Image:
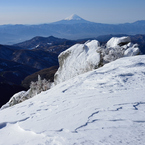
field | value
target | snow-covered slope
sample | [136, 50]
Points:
[102, 107]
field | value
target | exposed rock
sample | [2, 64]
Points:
[132, 51]
[7, 91]
[76, 60]
[82, 58]
[15, 99]
[115, 41]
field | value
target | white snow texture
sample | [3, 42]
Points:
[105, 106]
[102, 107]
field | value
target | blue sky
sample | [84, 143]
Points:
[46, 11]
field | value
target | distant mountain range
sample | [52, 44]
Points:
[73, 27]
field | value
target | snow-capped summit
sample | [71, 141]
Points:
[74, 17]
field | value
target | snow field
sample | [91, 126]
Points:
[102, 107]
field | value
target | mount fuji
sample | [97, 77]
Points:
[73, 19]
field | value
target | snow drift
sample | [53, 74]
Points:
[101, 107]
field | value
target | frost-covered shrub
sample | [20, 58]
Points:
[40, 85]
[116, 48]
[35, 88]
[110, 54]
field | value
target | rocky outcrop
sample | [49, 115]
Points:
[115, 41]
[82, 58]
[15, 99]
[76, 60]
[7, 91]
[132, 50]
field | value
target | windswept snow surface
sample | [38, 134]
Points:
[102, 107]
